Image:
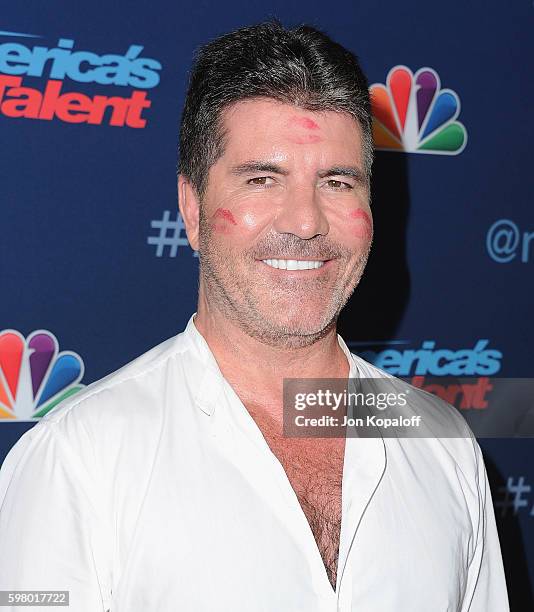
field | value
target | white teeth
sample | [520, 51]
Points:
[293, 264]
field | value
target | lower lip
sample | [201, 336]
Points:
[311, 273]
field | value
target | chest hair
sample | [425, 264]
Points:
[314, 467]
[317, 484]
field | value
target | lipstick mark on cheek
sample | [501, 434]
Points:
[224, 213]
[364, 228]
[223, 220]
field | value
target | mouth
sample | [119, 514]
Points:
[295, 264]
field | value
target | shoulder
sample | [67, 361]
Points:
[446, 450]
[444, 432]
[441, 419]
[144, 369]
[115, 421]
[125, 410]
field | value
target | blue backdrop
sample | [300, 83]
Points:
[95, 267]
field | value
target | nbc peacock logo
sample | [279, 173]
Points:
[412, 114]
[34, 375]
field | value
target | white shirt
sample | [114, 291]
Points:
[153, 490]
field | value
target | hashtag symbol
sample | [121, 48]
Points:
[170, 234]
[513, 494]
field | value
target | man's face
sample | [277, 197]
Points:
[288, 192]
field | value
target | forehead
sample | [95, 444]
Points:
[265, 127]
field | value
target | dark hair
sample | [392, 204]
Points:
[300, 66]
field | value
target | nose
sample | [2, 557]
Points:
[301, 214]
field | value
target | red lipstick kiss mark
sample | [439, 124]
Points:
[367, 229]
[305, 139]
[305, 122]
[224, 213]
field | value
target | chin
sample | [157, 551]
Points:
[302, 322]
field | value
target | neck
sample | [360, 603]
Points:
[256, 370]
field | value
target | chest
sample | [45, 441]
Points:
[209, 506]
[315, 472]
[317, 484]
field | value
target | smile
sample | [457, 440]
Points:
[293, 264]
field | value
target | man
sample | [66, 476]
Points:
[168, 485]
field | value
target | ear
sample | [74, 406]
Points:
[189, 206]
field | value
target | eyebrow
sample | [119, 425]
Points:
[259, 166]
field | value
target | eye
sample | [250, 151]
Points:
[339, 185]
[260, 180]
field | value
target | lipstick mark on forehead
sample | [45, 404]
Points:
[306, 139]
[298, 136]
[304, 122]
[224, 213]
